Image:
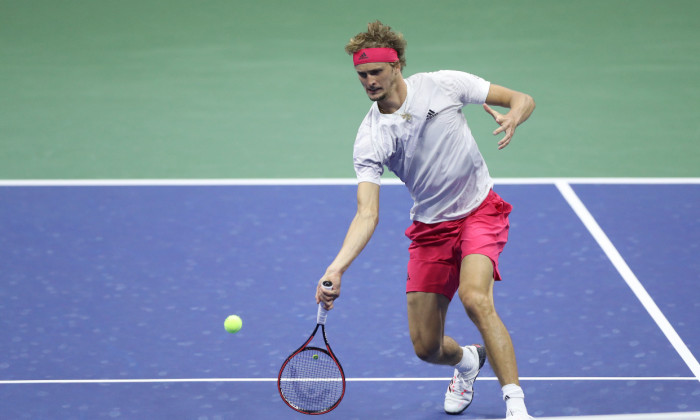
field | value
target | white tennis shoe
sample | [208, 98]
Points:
[461, 389]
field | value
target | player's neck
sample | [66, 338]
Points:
[395, 99]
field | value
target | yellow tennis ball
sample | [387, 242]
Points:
[233, 323]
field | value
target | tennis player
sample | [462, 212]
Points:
[416, 128]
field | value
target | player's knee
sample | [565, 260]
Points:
[477, 304]
[426, 350]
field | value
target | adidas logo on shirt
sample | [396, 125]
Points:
[431, 114]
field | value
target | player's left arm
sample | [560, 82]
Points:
[520, 104]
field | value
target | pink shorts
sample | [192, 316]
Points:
[437, 250]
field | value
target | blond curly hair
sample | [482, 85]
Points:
[378, 35]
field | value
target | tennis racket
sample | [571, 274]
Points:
[311, 380]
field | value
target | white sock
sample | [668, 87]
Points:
[468, 363]
[514, 397]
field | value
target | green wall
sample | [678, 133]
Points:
[263, 89]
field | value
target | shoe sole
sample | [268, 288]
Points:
[481, 351]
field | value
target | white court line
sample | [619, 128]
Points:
[629, 277]
[443, 379]
[653, 416]
[312, 181]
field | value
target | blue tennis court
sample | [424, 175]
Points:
[114, 296]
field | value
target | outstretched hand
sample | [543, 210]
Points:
[507, 124]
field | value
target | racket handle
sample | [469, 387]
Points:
[323, 312]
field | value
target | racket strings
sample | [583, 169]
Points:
[312, 381]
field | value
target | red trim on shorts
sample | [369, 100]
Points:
[437, 250]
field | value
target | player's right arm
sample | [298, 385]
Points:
[357, 237]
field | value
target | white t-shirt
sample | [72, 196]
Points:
[428, 145]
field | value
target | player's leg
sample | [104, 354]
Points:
[426, 321]
[476, 293]
[426, 325]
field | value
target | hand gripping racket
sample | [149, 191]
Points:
[311, 380]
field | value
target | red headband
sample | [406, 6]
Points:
[375, 55]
